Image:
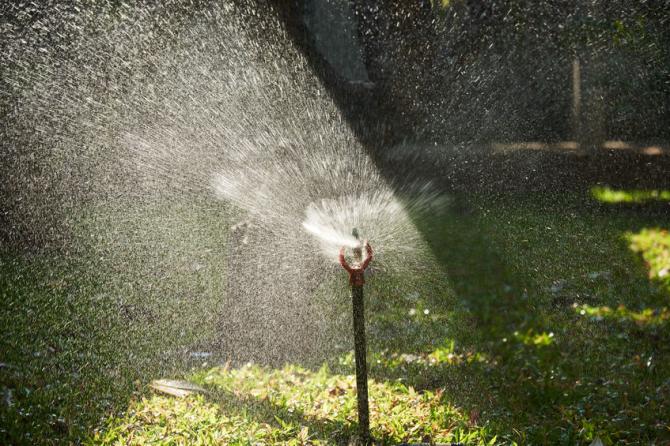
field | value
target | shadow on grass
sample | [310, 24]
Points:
[526, 358]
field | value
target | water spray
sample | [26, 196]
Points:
[356, 281]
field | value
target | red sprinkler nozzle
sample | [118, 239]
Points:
[356, 270]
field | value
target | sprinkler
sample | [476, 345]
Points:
[356, 281]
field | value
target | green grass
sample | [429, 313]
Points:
[608, 195]
[536, 320]
[654, 246]
[557, 376]
[292, 405]
[83, 330]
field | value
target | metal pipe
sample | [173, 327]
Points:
[356, 280]
[360, 349]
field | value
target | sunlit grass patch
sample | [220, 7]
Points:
[654, 246]
[647, 316]
[192, 420]
[608, 195]
[255, 405]
[537, 339]
[444, 355]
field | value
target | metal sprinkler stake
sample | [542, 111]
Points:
[357, 280]
[360, 348]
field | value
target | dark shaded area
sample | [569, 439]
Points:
[472, 72]
[420, 58]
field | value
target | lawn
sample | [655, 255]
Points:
[537, 319]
